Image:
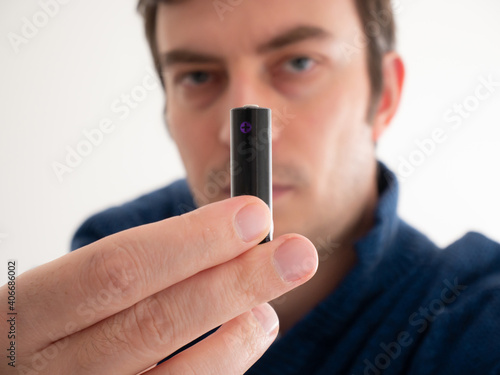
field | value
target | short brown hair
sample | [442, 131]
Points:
[376, 16]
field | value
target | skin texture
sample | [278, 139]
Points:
[323, 147]
[125, 302]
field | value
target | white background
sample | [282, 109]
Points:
[65, 79]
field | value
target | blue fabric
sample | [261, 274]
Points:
[407, 307]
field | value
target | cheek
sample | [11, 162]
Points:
[193, 142]
[340, 109]
[334, 130]
[322, 132]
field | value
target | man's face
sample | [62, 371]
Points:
[288, 56]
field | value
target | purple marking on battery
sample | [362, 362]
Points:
[245, 127]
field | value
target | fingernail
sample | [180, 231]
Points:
[267, 317]
[251, 221]
[295, 259]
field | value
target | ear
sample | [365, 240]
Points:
[393, 71]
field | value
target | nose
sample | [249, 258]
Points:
[243, 89]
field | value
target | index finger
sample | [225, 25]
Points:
[79, 289]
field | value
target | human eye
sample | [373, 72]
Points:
[299, 64]
[194, 78]
[298, 72]
[196, 86]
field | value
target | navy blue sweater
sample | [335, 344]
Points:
[407, 307]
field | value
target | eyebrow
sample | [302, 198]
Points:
[294, 35]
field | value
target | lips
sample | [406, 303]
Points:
[278, 190]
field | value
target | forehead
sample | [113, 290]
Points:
[203, 24]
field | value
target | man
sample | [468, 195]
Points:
[383, 299]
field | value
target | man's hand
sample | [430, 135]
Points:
[123, 303]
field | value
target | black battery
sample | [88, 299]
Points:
[251, 154]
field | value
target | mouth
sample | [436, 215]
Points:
[278, 191]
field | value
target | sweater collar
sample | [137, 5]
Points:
[370, 247]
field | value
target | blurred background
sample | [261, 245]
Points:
[67, 76]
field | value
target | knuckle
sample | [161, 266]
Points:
[246, 283]
[102, 343]
[247, 338]
[204, 234]
[152, 323]
[115, 272]
[207, 233]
